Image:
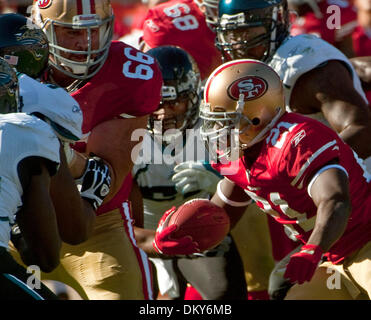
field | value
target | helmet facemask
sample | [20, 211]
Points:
[179, 107]
[93, 58]
[210, 9]
[264, 27]
[173, 127]
[220, 129]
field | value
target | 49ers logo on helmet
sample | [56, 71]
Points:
[251, 87]
[43, 4]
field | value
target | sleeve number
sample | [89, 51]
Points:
[142, 70]
[301, 218]
[183, 23]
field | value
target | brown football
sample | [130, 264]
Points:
[203, 220]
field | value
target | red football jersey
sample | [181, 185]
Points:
[129, 83]
[181, 23]
[128, 16]
[323, 27]
[296, 148]
[361, 42]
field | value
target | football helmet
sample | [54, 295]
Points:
[210, 8]
[23, 44]
[313, 4]
[9, 90]
[239, 22]
[77, 15]
[182, 82]
[243, 99]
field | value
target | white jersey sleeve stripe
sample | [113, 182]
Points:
[330, 166]
[310, 161]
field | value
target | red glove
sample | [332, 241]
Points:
[303, 264]
[164, 243]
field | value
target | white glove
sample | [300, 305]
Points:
[191, 176]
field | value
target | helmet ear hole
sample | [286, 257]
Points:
[255, 121]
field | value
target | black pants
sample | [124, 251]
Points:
[218, 277]
[13, 281]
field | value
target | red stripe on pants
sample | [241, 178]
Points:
[147, 281]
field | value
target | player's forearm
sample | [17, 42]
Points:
[75, 216]
[232, 199]
[331, 222]
[144, 239]
[77, 228]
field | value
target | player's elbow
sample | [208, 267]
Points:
[49, 265]
[82, 227]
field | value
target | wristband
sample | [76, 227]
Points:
[230, 202]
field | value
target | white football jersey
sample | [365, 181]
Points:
[53, 102]
[21, 136]
[154, 171]
[300, 54]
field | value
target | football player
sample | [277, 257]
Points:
[116, 87]
[173, 144]
[25, 46]
[307, 65]
[318, 17]
[32, 163]
[309, 68]
[180, 23]
[297, 170]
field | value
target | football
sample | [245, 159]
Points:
[204, 221]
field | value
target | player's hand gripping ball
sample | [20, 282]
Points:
[199, 221]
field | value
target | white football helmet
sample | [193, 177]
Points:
[210, 8]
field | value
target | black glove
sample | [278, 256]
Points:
[95, 183]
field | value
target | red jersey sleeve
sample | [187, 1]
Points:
[309, 146]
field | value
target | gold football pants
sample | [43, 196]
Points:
[109, 265]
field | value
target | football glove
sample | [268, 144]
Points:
[191, 176]
[303, 264]
[95, 183]
[164, 243]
